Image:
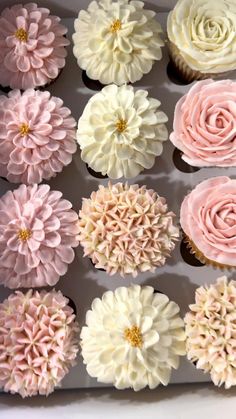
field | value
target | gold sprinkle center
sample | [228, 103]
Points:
[24, 129]
[115, 26]
[121, 125]
[24, 234]
[134, 336]
[21, 34]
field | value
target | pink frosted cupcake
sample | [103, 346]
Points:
[38, 342]
[38, 230]
[37, 136]
[32, 46]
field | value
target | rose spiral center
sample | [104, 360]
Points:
[21, 34]
[134, 337]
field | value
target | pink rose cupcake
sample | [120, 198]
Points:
[208, 219]
[37, 136]
[205, 124]
[38, 342]
[32, 46]
[38, 230]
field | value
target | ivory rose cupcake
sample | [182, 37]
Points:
[32, 46]
[38, 230]
[117, 41]
[204, 124]
[207, 217]
[211, 331]
[121, 131]
[202, 38]
[133, 338]
[37, 136]
[38, 342]
[126, 229]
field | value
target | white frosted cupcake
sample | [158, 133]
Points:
[117, 41]
[121, 131]
[133, 338]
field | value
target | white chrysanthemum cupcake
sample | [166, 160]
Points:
[121, 131]
[211, 331]
[133, 338]
[117, 41]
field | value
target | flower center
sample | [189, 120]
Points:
[24, 129]
[24, 234]
[115, 26]
[134, 336]
[121, 125]
[21, 34]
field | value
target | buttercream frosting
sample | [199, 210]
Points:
[126, 229]
[32, 46]
[205, 34]
[38, 230]
[121, 131]
[133, 338]
[38, 342]
[117, 41]
[207, 217]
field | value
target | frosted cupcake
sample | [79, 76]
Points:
[37, 136]
[211, 331]
[204, 124]
[121, 131]
[38, 342]
[202, 38]
[32, 46]
[117, 41]
[207, 217]
[38, 230]
[126, 229]
[133, 338]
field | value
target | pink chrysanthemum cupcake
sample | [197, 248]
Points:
[38, 230]
[38, 342]
[32, 46]
[37, 136]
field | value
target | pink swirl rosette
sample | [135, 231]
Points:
[32, 46]
[208, 219]
[205, 124]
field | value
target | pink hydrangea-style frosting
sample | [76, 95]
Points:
[126, 229]
[205, 124]
[208, 218]
[38, 230]
[37, 136]
[32, 46]
[38, 342]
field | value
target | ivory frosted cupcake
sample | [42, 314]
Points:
[207, 217]
[204, 124]
[211, 331]
[121, 131]
[202, 38]
[38, 342]
[32, 46]
[37, 136]
[117, 41]
[126, 229]
[38, 230]
[133, 338]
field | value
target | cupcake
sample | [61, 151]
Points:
[207, 217]
[38, 342]
[133, 338]
[121, 131]
[204, 124]
[38, 230]
[126, 229]
[32, 46]
[117, 41]
[211, 331]
[202, 38]
[37, 136]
